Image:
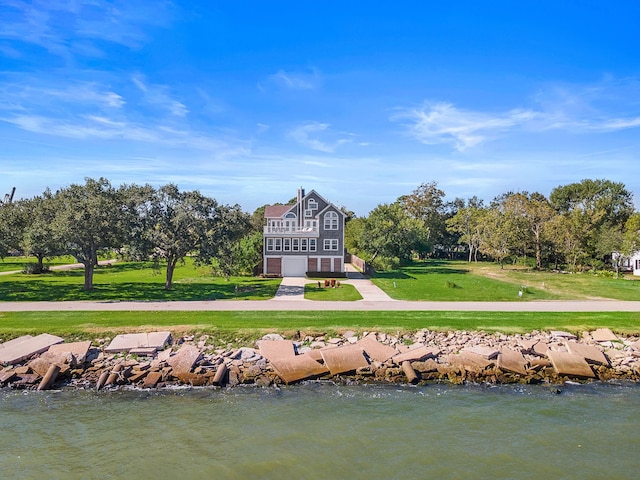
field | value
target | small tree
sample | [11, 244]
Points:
[39, 237]
[177, 224]
[11, 228]
[223, 240]
[467, 222]
[426, 203]
[88, 221]
[390, 232]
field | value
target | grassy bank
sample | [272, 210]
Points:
[252, 324]
[462, 281]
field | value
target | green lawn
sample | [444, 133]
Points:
[344, 292]
[463, 281]
[578, 285]
[134, 281]
[242, 325]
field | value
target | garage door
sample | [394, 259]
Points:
[294, 266]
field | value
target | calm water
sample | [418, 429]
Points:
[324, 431]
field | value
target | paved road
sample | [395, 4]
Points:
[69, 266]
[308, 305]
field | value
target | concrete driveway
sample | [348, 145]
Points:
[292, 288]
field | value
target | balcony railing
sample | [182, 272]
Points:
[279, 230]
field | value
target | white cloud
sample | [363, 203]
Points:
[296, 81]
[157, 95]
[262, 128]
[605, 107]
[29, 93]
[436, 123]
[70, 28]
[309, 133]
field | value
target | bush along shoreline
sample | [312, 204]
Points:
[421, 357]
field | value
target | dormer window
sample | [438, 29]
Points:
[331, 221]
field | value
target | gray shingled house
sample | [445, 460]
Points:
[305, 237]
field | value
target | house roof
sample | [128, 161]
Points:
[331, 206]
[274, 211]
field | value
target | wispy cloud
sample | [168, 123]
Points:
[69, 28]
[94, 110]
[435, 123]
[158, 96]
[296, 80]
[309, 135]
[599, 108]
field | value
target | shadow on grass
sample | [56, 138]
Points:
[427, 269]
[422, 268]
[42, 290]
[394, 275]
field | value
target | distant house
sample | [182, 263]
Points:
[629, 264]
[305, 237]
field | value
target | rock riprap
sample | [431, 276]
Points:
[157, 359]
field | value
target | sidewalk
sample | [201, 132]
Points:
[65, 267]
[366, 287]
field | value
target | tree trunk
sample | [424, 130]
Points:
[171, 265]
[88, 275]
[40, 258]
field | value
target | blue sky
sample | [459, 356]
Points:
[361, 101]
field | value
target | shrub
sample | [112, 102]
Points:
[386, 263]
[34, 269]
[326, 274]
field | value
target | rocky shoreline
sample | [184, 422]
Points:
[420, 357]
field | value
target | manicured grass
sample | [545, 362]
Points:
[9, 264]
[344, 292]
[134, 281]
[578, 285]
[463, 281]
[251, 324]
[451, 281]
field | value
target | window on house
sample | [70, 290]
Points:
[269, 244]
[286, 244]
[308, 213]
[331, 244]
[331, 221]
[312, 204]
[303, 244]
[296, 244]
[312, 244]
[278, 244]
